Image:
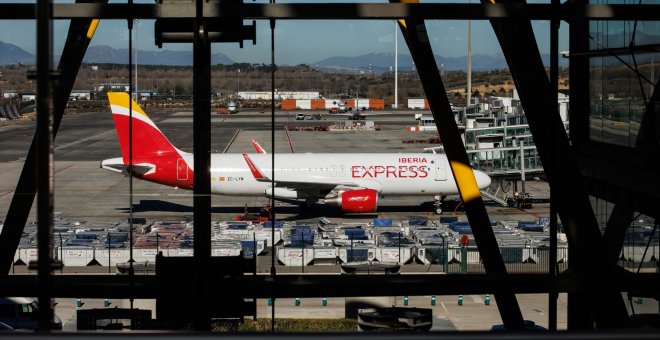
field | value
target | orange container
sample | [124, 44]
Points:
[317, 104]
[377, 104]
[288, 104]
[426, 104]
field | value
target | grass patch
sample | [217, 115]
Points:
[287, 325]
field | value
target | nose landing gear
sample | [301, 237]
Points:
[438, 203]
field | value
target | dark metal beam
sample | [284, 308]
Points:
[617, 224]
[539, 102]
[552, 258]
[314, 11]
[601, 185]
[202, 164]
[414, 32]
[579, 104]
[332, 285]
[44, 156]
[78, 38]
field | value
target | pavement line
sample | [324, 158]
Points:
[13, 190]
[103, 134]
[477, 299]
[231, 141]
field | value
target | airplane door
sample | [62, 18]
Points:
[342, 171]
[440, 170]
[181, 170]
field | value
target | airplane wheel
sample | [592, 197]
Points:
[438, 210]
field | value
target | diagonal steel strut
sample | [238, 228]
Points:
[587, 251]
[80, 34]
[414, 32]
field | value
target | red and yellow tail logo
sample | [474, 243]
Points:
[148, 140]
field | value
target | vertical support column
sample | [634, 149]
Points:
[578, 314]
[44, 173]
[417, 39]
[554, 83]
[202, 163]
[522, 165]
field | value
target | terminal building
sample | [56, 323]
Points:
[279, 95]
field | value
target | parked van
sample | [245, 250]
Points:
[21, 313]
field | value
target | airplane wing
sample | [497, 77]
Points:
[318, 184]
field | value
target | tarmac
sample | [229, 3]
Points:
[85, 192]
[473, 314]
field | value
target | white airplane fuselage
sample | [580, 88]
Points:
[390, 174]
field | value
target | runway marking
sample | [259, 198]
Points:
[13, 190]
[231, 141]
[531, 213]
[84, 140]
[7, 192]
[103, 134]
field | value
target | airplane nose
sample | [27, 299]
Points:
[483, 180]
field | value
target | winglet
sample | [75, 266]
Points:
[258, 175]
[258, 147]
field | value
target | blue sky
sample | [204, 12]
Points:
[297, 41]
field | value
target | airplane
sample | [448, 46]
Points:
[351, 181]
[232, 108]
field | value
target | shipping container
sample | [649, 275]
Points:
[295, 257]
[317, 104]
[391, 254]
[376, 104]
[382, 222]
[416, 103]
[288, 104]
[357, 254]
[330, 103]
[304, 104]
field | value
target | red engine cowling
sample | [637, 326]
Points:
[359, 201]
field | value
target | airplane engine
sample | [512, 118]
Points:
[356, 201]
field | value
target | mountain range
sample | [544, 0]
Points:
[384, 62]
[12, 54]
[370, 62]
[103, 54]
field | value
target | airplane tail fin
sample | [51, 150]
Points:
[148, 140]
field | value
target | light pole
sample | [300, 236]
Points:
[357, 94]
[109, 252]
[61, 254]
[396, 65]
[399, 247]
[137, 93]
[238, 82]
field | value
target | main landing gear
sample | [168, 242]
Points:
[438, 202]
